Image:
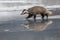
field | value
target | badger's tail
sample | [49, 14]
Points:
[48, 12]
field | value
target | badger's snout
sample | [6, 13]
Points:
[22, 13]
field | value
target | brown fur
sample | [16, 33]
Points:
[37, 10]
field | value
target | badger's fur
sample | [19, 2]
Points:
[33, 11]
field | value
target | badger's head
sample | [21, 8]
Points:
[24, 12]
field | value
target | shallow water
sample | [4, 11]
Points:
[39, 30]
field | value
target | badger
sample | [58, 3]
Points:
[33, 11]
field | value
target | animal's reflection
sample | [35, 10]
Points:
[38, 26]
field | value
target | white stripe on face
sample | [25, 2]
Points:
[25, 12]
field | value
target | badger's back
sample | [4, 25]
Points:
[37, 9]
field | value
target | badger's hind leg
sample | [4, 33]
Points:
[29, 15]
[46, 16]
[42, 16]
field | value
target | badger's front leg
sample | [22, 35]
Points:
[29, 15]
[34, 16]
